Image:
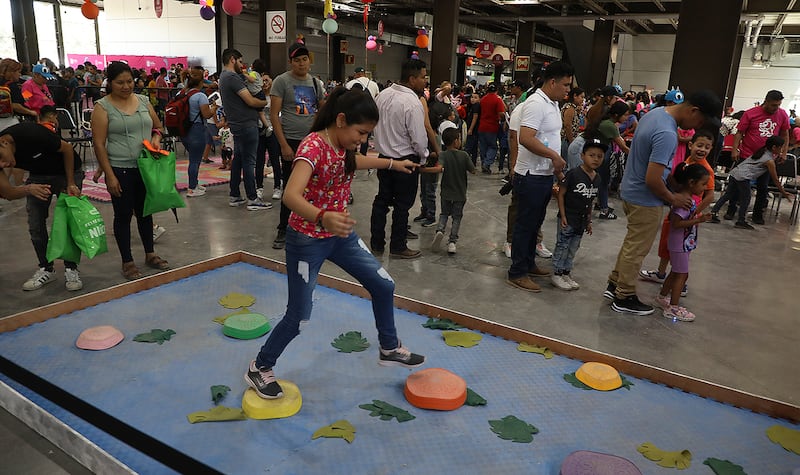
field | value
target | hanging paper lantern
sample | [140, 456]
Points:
[380, 49]
[422, 41]
[366, 15]
[371, 44]
[468, 62]
[90, 10]
[232, 7]
[207, 13]
[330, 26]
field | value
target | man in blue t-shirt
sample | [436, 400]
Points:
[644, 189]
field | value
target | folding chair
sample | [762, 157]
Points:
[787, 174]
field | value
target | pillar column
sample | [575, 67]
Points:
[445, 37]
[276, 55]
[601, 55]
[704, 50]
[525, 40]
[25, 37]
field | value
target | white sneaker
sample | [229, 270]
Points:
[277, 194]
[73, 279]
[158, 231]
[560, 283]
[437, 240]
[257, 204]
[543, 252]
[236, 201]
[451, 248]
[260, 193]
[507, 249]
[196, 192]
[572, 283]
[40, 277]
[200, 187]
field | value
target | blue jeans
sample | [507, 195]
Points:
[488, 145]
[533, 193]
[568, 241]
[451, 209]
[427, 194]
[195, 143]
[304, 258]
[737, 194]
[245, 144]
[471, 147]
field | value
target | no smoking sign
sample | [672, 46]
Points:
[276, 27]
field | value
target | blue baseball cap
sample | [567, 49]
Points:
[42, 70]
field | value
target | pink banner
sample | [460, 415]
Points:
[139, 62]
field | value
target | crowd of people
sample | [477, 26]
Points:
[546, 138]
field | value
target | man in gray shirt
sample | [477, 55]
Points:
[241, 111]
[295, 99]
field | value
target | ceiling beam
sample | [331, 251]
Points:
[622, 26]
[674, 23]
[579, 18]
[644, 25]
[658, 4]
[621, 6]
[594, 6]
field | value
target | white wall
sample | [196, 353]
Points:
[644, 60]
[179, 32]
[753, 84]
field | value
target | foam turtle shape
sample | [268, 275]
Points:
[436, 388]
[257, 408]
[246, 326]
[584, 462]
[98, 338]
[599, 376]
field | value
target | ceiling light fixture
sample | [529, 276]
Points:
[516, 2]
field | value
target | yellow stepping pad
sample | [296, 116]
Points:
[599, 376]
[257, 408]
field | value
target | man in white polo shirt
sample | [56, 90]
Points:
[537, 160]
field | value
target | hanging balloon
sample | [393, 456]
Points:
[414, 55]
[330, 26]
[232, 7]
[371, 43]
[207, 13]
[380, 28]
[202, 3]
[422, 41]
[462, 48]
[90, 10]
[367, 1]
[468, 62]
[209, 3]
[327, 10]
[380, 49]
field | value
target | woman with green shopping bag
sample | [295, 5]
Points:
[121, 121]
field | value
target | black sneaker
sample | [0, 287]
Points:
[263, 381]
[411, 235]
[728, 217]
[607, 214]
[400, 356]
[743, 225]
[419, 218]
[280, 239]
[714, 218]
[428, 223]
[609, 292]
[758, 219]
[632, 305]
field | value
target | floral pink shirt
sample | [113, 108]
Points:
[329, 185]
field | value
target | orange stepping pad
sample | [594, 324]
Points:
[436, 388]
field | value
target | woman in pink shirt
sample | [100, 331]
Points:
[35, 90]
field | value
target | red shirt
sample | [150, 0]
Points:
[329, 185]
[491, 109]
[756, 127]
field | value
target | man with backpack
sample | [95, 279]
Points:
[241, 110]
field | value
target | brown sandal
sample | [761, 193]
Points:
[157, 263]
[130, 271]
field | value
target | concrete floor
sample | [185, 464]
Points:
[741, 284]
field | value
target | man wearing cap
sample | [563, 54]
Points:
[644, 189]
[367, 84]
[241, 112]
[399, 135]
[757, 125]
[35, 90]
[295, 98]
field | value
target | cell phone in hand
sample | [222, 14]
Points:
[215, 97]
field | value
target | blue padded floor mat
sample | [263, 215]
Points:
[153, 387]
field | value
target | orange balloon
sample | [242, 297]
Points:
[90, 10]
[422, 41]
[468, 62]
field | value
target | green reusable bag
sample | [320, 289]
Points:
[86, 226]
[158, 174]
[60, 245]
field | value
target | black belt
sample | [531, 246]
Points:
[412, 157]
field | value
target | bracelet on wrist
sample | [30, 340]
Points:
[318, 220]
[158, 132]
[391, 162]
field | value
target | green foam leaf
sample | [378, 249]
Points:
[441, 324]
[573, 380]
[474, 399]
[237, 300]
[156, 335]
[463, 339]
[680, 459]
[219, 392]
[626, 383]
[787, 438]
[340, 429]
[531, 348]
[386, 411]
[724, 467]
[350, 342]
[513, 429]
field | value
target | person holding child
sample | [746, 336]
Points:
[691, 181]
[321, 228]
[454, 164]
[576, 192]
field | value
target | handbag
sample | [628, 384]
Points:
[157, 168]
[86, 226]
[60, 245]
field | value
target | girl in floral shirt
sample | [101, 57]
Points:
[320, 228]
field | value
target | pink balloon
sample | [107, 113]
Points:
[371, 45]
[232, 7]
